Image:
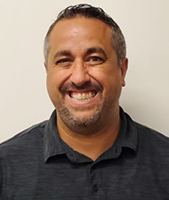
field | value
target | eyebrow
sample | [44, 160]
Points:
[62, 53]
[95, 50]
[88, 52]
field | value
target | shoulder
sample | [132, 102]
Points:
[151, 136]
[147, 137]
[153, 146]
[23, 140]
[153, 152]
[150, 143]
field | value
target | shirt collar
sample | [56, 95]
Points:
[51, 140]
[129, 138]
[54, 145]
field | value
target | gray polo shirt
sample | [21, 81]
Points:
[37, 165]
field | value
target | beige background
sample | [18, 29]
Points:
[23, 25]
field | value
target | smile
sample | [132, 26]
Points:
[82, 96]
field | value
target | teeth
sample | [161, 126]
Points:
[82, 96]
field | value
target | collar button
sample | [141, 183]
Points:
[95, 188]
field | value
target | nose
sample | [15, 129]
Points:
[79, 73]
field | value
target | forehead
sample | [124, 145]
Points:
[80, 28]
[77, 20]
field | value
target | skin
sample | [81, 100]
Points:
[81, 60]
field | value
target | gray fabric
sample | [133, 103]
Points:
[37, 165]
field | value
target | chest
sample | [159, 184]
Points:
[111, 179]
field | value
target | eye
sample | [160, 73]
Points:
[63, 62]
[95, 60]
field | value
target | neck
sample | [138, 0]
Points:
[94, 144]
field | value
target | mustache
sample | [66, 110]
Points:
[86, 86]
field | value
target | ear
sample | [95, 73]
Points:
[45, 64]
[124, 67]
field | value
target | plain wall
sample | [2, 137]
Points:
[23, 24]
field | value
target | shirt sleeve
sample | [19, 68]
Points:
[1, 179]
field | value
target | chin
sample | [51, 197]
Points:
[83, 121]
[74, 121]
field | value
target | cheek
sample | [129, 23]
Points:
[53, 83]
[55, 79]
[105, 77]
[111, 82]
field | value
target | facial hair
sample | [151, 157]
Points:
[79, 123]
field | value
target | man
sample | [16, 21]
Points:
[89, 148]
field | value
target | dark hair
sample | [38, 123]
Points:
[89, 11]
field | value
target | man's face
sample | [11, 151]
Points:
[84, 79]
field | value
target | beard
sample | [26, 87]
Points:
[78, 124]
